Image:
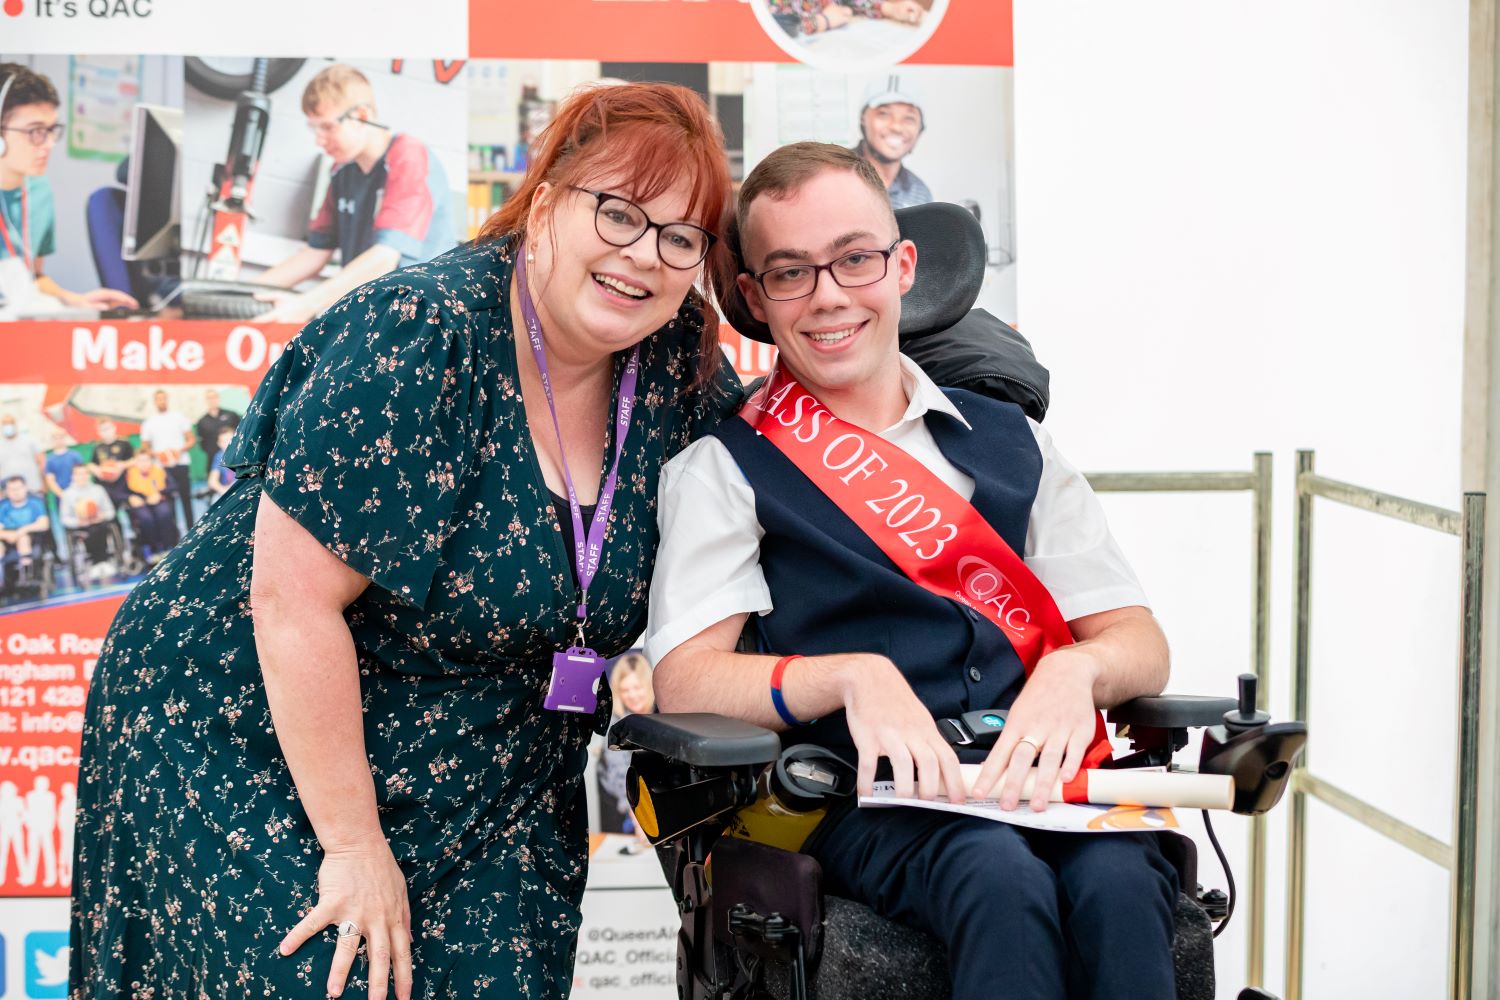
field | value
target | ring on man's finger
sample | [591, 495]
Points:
[348, 929]
[1035, 746]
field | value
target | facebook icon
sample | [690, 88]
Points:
[46, 964]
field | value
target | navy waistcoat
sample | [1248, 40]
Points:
[834, 591]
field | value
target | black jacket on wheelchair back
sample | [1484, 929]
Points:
[985, 356]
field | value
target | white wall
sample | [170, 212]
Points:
[1243, 228]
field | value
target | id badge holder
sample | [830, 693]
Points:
[576, 673]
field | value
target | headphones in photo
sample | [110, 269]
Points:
[4, 89]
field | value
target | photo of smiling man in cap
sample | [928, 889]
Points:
[889, 124]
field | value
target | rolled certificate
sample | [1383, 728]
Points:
[1127, 787]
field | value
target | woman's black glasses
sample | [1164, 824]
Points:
[620, 222]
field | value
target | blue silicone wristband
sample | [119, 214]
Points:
[780, 705]
[777, 700]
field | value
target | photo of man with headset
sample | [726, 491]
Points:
[29, 130]
[386, 204]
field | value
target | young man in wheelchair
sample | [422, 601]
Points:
[24, 532]
[88, 513]
[821, 532]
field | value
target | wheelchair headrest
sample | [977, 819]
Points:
[950, 270]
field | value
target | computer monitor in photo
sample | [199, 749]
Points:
[152, 216]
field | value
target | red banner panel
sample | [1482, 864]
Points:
[48, 658]
[971, 33]
[141, 352]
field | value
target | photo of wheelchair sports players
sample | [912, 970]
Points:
[305, 178]
[99, 488]
[87, 197]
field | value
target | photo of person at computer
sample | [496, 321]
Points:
[386, 206]
[360, 171]
[31, 127]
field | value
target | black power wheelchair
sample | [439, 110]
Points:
[755, 923]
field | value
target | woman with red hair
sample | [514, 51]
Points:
[352, 708]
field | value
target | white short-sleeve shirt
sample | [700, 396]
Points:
[708, 563]
[167, 431]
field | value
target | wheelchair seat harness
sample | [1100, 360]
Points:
[974, 729]
[577, 670]
[926, 528]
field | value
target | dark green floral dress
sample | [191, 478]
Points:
[392, 429]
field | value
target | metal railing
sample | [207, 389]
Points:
[1257, 481]
[1460, 857]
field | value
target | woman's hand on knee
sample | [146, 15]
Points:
[362, 891]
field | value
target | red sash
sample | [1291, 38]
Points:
[922, 524]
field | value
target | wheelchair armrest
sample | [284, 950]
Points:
[1171, 711]
[699, 739]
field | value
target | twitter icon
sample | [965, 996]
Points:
[46, 964]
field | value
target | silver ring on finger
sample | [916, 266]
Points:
[348, 929]
[1035, 746]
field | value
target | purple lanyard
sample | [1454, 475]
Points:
[586, 550]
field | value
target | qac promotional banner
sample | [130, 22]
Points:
[185, 183]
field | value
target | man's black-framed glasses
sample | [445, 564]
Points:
[39, 134]
[798, 281]
[620, 222]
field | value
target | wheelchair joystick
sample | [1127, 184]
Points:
[1246, 717]
[1255, 752]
